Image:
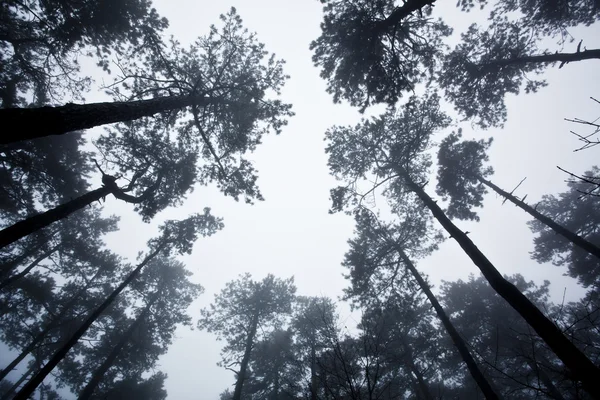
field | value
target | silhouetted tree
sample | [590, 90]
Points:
[237, 313]
[462, 179]
[391, 149]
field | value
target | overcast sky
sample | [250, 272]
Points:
[291, 232]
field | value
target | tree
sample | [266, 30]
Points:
[238, 311]
[373, 52]
[580, 214]
[462, 179]
[391, 149]
[490, 62]
[511, 354]
[41, 42]
[380, 267]
[167, 293]
[178, 236]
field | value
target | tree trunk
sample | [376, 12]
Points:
[237, 393]
[410, 364]
[553, 392]
[545, 58]
[402, 12]
[13, 388]
[53, 324]
[31, 266]
[460, 344]
[30, 387]
[581, 366]
[30, 123]
[549, 222]
[32, 224]
[313, 373]
[88, 391]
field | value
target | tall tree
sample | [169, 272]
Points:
[237, 313]
[391, 149]
[379, 266]
[176, 236]
[166, 293]
[462, 178]
[512, 354]
[491, 62]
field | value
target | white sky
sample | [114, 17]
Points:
[291, 232]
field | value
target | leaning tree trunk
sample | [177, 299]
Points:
[9, 393]
[89, 389]
[32, 385]
[553, 392]
[460, 344]
[549, 222]
[239, 383]
[412, 367]
[562, 58]
[32, 224]
[30, 123]
[51, 325]
[581, 366]
[10, 280]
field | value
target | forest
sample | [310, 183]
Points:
[146, 157]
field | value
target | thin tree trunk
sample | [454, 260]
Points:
[410, 364]
[89, 389]
[460, 344]
[553, 392]
[581, 366]
[62, 352]
[313, 373]
[237, 393]
[30, 123]
[31, 266]
[32, 224]
[549, 222]
[13, 388]
[53, 324]
[546, 58]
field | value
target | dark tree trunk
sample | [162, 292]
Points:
[563, 58]
[13, 388]
[16, 277]
[549, 222]
[30, 123]
[313, 373]
[411, 366]
[32, 224]
[239, 383]
[460, 344]
[581, 366]
[51, 325]
[89, 389]
[32, 385]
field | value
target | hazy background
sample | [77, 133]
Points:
[291, 232]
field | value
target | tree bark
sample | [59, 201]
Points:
[460, 344]
[237, 393]
[10, 280]
[89, 389]
[410, 364]
[581, 366]
[31, 123]
[32, 385]
[32, 224]
[549, 222]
